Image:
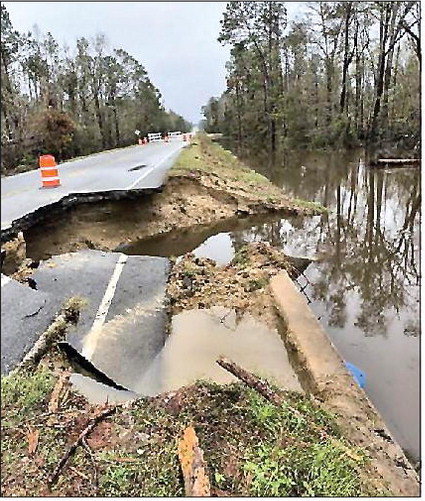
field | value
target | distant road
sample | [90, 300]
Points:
[107, 171]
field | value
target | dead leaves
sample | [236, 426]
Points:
[193, 466]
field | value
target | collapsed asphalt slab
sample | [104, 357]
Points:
[25, 314]
[124, 293]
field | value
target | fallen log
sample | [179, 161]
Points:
[196, 483]
[80, 440]
[251, 380]
[396, 162]
[264, 390]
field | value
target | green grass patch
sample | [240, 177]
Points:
[251, 447]
[316, 206]
[205, 158]
[302, 454]
[256, 284]
[241, 257]
[23, 393]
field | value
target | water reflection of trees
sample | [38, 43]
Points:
[369, 240]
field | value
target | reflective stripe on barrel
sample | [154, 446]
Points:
[49, 172]
[47, 161]
[51, 182]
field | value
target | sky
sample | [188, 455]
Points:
[175, 41]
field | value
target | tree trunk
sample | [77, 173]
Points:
[251, 380]
[357, 113]
[117, 128]
[389, 64]
[238, 114]
[100, 120]
[379, 83]
[347, 59]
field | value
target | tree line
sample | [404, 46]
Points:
[344, 74]
[72, 101]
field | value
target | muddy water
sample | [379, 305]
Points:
[205, 240]
[197, 339]
[364, 284]
[365, 288]
[200, 337]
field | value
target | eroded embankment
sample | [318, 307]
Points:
[251, 447]
[206, 185]
[244, 285]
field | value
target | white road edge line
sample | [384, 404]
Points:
[146, 173]
[105, 304]
[5, 280]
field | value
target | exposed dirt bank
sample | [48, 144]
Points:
[200, 283]
[244, 286]
[207, 184]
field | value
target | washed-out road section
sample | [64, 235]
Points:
[124, 321]
[133, 168]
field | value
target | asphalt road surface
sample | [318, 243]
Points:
[107, 171]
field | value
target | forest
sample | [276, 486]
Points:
[341, 75]
[72, 101]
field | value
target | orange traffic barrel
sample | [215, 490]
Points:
[49, 171]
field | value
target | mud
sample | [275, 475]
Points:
[106, 225]
[223, 311]
[240, 285]
[206, 186]
[14, 254]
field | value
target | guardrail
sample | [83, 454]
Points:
[154, 137]
[175, 135]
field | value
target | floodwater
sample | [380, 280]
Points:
[364, 283]
[197, 339]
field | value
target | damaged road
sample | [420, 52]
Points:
[25, 314]
[123, 296]
[133, 168]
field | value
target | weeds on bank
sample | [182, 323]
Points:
[251, 447]
[303, 455]
[204, 157]
[305, 204]
[24, 394]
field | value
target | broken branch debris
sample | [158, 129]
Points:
[191, 458]
[251, 380]
[71, 450]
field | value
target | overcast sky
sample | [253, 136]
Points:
[175, 41]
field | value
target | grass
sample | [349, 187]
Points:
[25, 393]
[302, 461]
[226, 172]
[241, 258]
[207, 157]
[256, 284]
[251, 447]
[316, 206]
